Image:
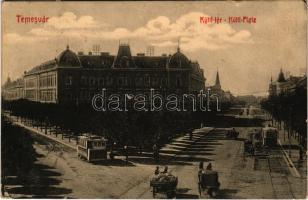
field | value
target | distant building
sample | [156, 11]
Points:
[285, 85]
[217, 90]
[249, 99]
[72, 77]
[13, 89]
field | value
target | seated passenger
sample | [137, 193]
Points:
[209, 166]
[211, 177]
[165, 170]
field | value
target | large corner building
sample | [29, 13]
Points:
[72, 77]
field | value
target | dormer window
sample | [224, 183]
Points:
[124, 62]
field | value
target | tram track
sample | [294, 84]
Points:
[176, 168]
[279, 180]
[278, 172]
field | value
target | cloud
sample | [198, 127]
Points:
[13, 38]
[159, 31]
[70, 21]
[43, 32]
[165, 44]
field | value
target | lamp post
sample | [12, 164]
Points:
[290, 129]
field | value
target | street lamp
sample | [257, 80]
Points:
[290, 129]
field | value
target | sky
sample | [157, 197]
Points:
[246, 55]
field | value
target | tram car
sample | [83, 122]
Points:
[270, 136]
[92, 148]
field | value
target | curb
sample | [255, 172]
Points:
[288, 160]
[41, 134]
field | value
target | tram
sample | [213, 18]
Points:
[270, 136]
[92, 148]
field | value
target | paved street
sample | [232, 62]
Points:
[239, 177]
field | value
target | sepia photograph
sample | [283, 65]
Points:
[154, 100]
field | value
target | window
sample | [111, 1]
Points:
[138, 81]
[124, 62]
[84, 80]
[68, 80]
[178, 81]
[101, 81]
[163, 82]
[109, 81]
[155, 81]
[92, 80]
[147, 80]
[120, 81]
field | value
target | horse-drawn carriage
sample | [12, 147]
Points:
[208, 183]
[253, 141]
[164, 184]
[259, 140]
[248, 144]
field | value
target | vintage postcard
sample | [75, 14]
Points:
[162, 99]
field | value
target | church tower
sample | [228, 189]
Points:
[281, 77]
[217, 81]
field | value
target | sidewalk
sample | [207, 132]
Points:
[71, 143]
[167, 152]
[291, 148]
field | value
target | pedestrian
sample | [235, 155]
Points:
[301, 151]
[111, 155]
[190, 135]
[165, 170]
[156, 153]
[2, 186]
[200, 172]
[126, 154]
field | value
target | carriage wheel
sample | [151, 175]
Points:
[171, 194]
[212, 192]
[200, 191]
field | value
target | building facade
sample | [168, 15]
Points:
[216, 89]
[76, 78]
[286, 85]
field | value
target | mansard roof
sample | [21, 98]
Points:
[96, 61]
[124, 59]
[44, 66]
[179, 60]
[150, 61]
[68, 58]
